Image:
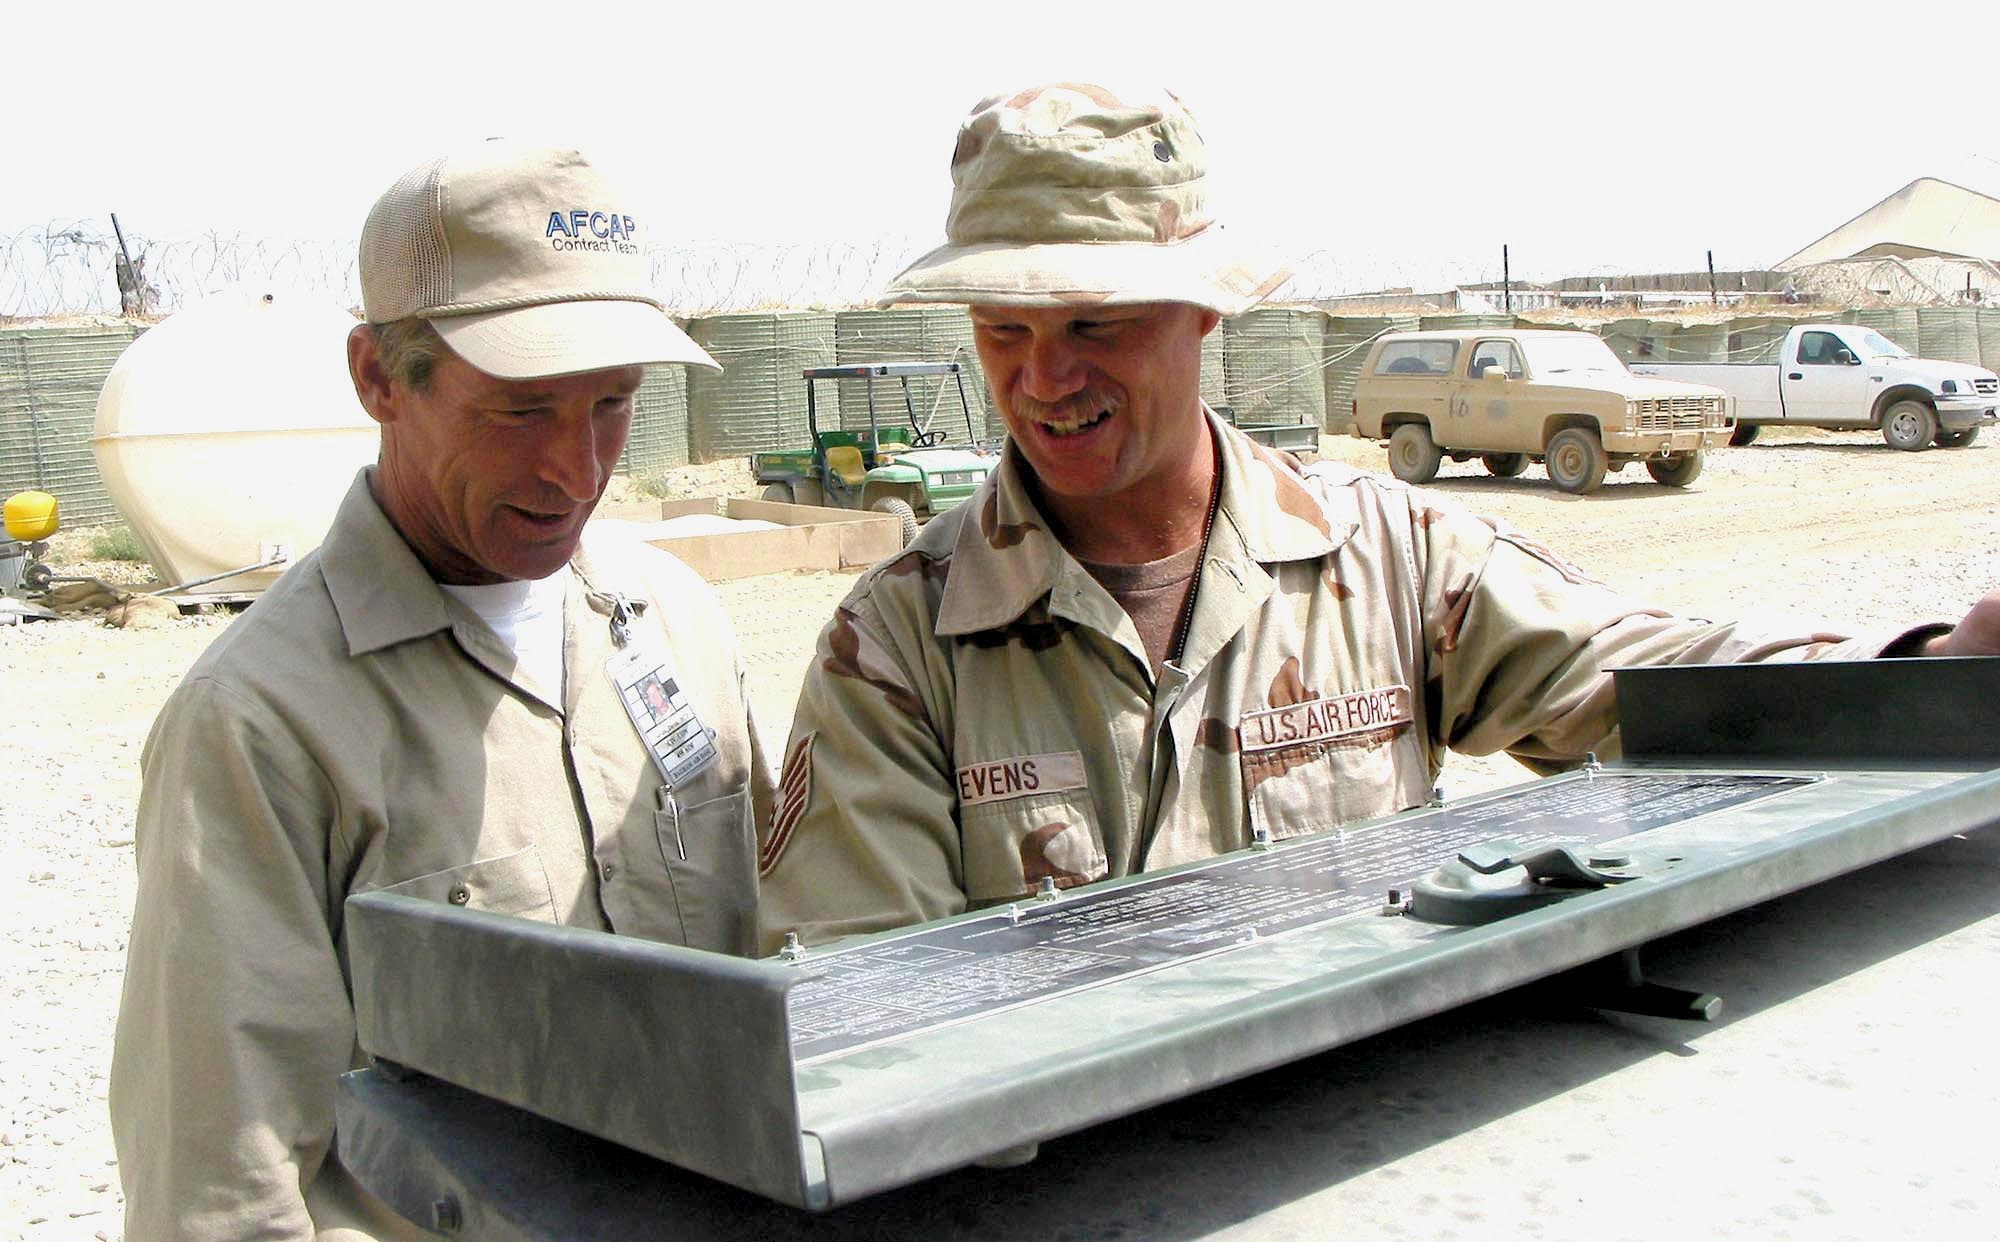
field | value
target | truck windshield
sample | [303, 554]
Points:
[1548, 355]
[1879, 346]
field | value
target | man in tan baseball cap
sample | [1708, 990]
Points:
[1147, 639]
[527, 261]
[462, 695]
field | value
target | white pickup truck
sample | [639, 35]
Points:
[1844, 376]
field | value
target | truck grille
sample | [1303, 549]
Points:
[1676, 413]
[1986, 387]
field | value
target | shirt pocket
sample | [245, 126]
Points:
[1293, 791]
[515, 884]
[1009, 847]
[710, 850]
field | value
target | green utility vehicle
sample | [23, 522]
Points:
[906, 471]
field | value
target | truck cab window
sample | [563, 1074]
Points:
[1416, 358]
[1500, 354]
[1820, 349]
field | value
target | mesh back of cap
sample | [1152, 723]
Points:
[405, 266]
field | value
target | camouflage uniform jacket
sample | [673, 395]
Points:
[981, 714]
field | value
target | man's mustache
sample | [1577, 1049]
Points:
[1080, 405]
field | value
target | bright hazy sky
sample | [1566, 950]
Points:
[1394, 139]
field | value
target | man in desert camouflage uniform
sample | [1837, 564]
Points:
[1148, 640]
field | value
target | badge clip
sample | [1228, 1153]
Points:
[623, 613]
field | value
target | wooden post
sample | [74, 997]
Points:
[1506, 282]
[1712, 301]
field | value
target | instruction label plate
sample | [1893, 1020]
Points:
[893, 987]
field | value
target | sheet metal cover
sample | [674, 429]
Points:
[1874, 712]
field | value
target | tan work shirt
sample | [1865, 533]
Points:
[360, 729]
[980, 714]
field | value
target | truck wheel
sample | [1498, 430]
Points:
[1504, 465]
[779, 493]
[1413, 455]
[898, 508]
[1678, 470]
[1744, 433]
[1576, 460]
[1909, 426]
[1957, 439]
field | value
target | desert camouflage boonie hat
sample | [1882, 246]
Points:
[1070, 194]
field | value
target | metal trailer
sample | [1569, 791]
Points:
[1300, 438]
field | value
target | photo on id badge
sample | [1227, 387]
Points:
[654, 696]
[680, 744]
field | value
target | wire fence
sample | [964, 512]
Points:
[72, 270]
[1892, 281]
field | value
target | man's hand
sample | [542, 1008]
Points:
[1977, 633]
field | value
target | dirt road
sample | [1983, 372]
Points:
[1830, 527]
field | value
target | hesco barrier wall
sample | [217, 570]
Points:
[1755, 339]
[1968, 334]
[758, 401]
[49, 379]
[911, 334]
[1634, 340]
[1699, 342]
[1946, 332]
[1271, 366]
[659, 437]
[1214, 375]
[1455, 323]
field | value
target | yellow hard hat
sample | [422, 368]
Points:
[30, 516]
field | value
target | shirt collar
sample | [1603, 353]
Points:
[381, 592]
[1006, 559]
[384, 595]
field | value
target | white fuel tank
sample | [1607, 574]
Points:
[229, 433]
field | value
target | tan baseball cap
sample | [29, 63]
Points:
[1073, 194]
[527, 261]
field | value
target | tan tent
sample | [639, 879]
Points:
[1927, 218]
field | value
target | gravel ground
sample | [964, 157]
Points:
[1821, 525]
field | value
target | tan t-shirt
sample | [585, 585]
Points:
[1153, 595]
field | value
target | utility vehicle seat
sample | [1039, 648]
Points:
[845, 462]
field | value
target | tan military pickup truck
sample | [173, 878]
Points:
[1510, 397]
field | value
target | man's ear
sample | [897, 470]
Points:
[1209, 318]
[371, 381]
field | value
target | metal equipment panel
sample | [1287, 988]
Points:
[902, 1056]
[1926, 712]
[610, 1034]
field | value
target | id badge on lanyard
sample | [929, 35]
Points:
[682, 747]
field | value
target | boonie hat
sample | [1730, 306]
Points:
[527, 261]
[1071, 194]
